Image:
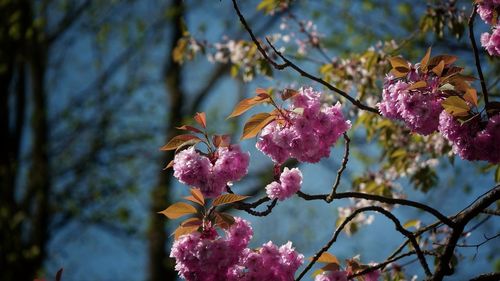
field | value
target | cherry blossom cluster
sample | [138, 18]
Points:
[473, 139]
[211, 175]
[488, 10]
[289, 183]
[209, 257]
[308, 132]
[418, 108]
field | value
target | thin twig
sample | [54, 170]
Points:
[288, 63]
[388, 215]
[382, 199]
[329, 198]
[476, 55]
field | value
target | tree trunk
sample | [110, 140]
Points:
[160, 266]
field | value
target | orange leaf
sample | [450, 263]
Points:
[228, 198]
[416, 85]
[424, 63]
[221, 140]
[183, 230]
[471, 96]
[177, 141]
[438, 69]
[189, 128]
[399, 63]
[448, 59]
[196, 197]
[178, 210]
[255, 124]
[191, 222]
[245, 105]
[399, 74]
[327, 258]
[201, 119]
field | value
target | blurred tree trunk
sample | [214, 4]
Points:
[25, 215]
[160, 266]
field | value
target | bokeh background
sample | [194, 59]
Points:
[90, 92]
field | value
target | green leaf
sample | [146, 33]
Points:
[412, 223]
[497, 175]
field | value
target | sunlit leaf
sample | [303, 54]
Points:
[245, 105]
[412, 223]
[399, 74]
[417, 85]
[189, 128]
[178, 210]
[424, 63]
[177, 141]
[399, 63]
[327, 258]
[196, 193]
[183, 230]
[255, 124]
[471, 96]
[438, 69]
[201, 119]
[191, 222]
[228, 198]
[190, 142]
[455, 106]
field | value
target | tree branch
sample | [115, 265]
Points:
[382, 199]
[484, 88]
[288, 63]
[387, 214]
[329, 198]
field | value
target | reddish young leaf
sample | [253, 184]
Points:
[255, 124]
[448, 59]
[471, 96]
[190, 142]
[438, 69]
[245, 105]
[183, 230]
[223, 220]
[399, 63]
[228, 198]
[192, 222]
[170, 164]
[178, 210]
[221, 140]
[288, 93]
[175, 142]
[424, 63]
[196, 197]
[260, 91]
[201, 119]
[189, 128]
